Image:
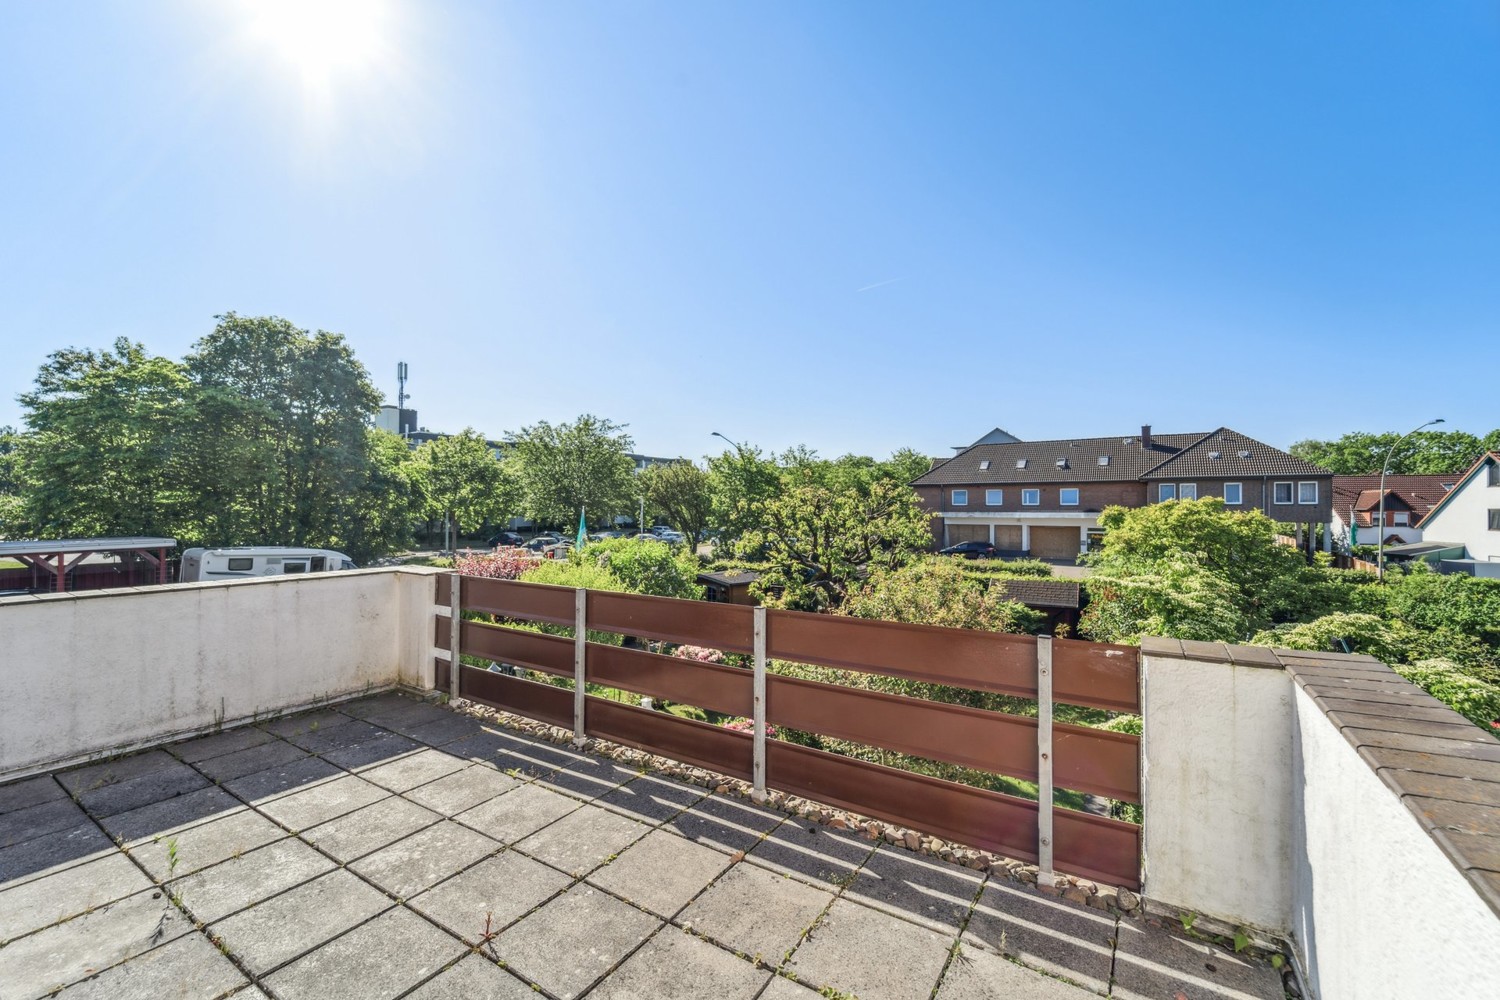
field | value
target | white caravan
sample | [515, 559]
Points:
[266, 560]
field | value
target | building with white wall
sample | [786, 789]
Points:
[1470, 514]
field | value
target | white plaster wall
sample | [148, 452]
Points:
[1465, 518]
[1379, 911]
[82, 674]
[1217, 778]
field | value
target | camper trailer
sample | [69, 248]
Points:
[268, 560]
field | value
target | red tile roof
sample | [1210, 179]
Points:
[1419, 494]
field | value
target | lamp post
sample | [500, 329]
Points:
[737, 445]
[640, 522]
[1385, 467]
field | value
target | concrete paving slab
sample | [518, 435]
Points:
[725, 824]
[573, 940]
[189, 968]
[204, 844]
[30, 792]
[516, 814]
[975, 974]
[651, 799]
[230, 886]
[484, 747]
[584, 839]
[369, 829]
[414, 714]
[781, 988]
[414, 769]
[373, 752]
[850, 952]
[473, 978]
[220, 744]
[494, 893]
[281, 928]
[916, 887]
[425, 858]
[123, 796]
[45, 901]
[110, 772]
[810, 852]
[440, 732]
[65, 953]
[307, 722]
[534, 757]
[39, 820]
[262, 786]
[757, 912]
[326, 740]
[1152, 962]
[172, 815]
[676, 964]
[662, 872]
[465, 789]
[57, 850]
[1044, 932]
[363, 708]
[378, 960]
[308, 808]
[272, 753]
[587, 779]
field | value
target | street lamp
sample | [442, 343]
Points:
[737, 445]
[1385, 467]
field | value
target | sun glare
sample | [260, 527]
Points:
[326, 42]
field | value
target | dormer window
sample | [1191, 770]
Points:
[985, 464]
[1062, 463]
[1020, 463]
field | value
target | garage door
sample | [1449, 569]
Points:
[1054, 543]
[1008, 537]
[968, 533]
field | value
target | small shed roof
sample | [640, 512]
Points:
[65, 546]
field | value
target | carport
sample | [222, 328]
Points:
[58, 557]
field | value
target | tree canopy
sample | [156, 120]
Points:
[682, 493]
[1426, 453]
[563, 469]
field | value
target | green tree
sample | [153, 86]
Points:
[644, 567]
[938, 592]
[680, 491]
[1174, 595]
[563, 469]
[13, 486]
[819, 541]
[379, 518]
[461, 482]
[1269, 580]
[1426, 453]
[101, 455]
[279, 451]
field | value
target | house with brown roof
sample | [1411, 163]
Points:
[1356, 506]
[1469, 516]
[1043, 498]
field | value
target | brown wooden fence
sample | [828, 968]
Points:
[1080, 673]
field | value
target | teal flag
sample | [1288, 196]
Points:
[1353, 534]
[583, 531]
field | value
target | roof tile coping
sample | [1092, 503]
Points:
[1444, 769]
[1437, 763]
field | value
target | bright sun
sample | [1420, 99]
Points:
[325, 41]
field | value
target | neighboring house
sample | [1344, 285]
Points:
[1356, 501]
[729, 586]
[1469, 515]
[1043, 498]
[1060, 600]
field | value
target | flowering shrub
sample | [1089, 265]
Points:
[502, 564]
[700, 653]
[748, 726]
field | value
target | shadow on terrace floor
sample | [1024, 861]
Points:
[392, 848]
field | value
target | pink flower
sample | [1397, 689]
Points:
[502, 564]
[700, 653]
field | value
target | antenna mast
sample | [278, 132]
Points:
[401, 398]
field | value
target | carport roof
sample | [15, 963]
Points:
[65, 546]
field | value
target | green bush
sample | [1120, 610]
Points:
[1447, 682]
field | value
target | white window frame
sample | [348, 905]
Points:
[1493, 475]
[958, 498]
[1494, 525]
[1165, 492]
[1031, 498]
[1400, 519]
[1307, 503]
[1291, 493]
[1183, 489]
[1239, 495]
[1062, 496]
[994, 498]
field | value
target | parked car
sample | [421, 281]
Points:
[542, 542]
[970, 550]
[507, 539]
[672, 537]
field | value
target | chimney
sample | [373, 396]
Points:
[1146, 437]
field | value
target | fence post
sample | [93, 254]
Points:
[758, 787]
[580, 655]
[1044, 760]
[455, 632]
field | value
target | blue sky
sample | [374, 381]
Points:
[859, 226]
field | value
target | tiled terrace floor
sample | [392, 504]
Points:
[391, 848]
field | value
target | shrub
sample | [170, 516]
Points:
[502, 564]
[939, 592]
[1472, 698]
